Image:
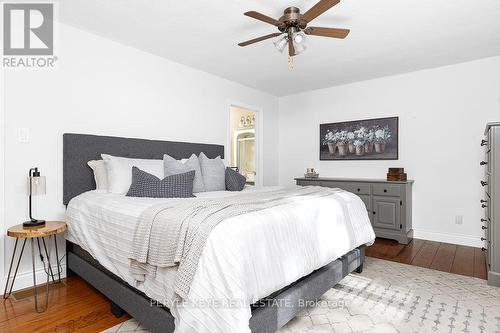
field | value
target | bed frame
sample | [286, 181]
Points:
[78, 149]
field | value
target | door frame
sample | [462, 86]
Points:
[259, 121]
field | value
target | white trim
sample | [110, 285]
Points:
[447, 238]
[25, 279]
[259, 138]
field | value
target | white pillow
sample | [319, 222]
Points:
[100, 174]
[120, 171]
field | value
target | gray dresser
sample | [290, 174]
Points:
[388, 203]
[491, 203]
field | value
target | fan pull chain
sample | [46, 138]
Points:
[290, 62]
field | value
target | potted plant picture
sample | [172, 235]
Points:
[368, 139]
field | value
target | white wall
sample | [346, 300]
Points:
[442, 114]
[2, 178]
[102, 87]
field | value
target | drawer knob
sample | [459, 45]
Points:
[484, 227]
[483, 239]
[483, 249]
[483, 163]
[359, 190]
[484, 206]
[484, 143]
[483, 220]
[374, 213]
[385, 190]
[483, 201]
[483, 183]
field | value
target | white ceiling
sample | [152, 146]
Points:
[387, 37]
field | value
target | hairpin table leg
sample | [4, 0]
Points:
[5, 293]
[34, 280]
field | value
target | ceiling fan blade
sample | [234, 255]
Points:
[319, 9]
[263, 18]
[259, 39]
[291, 48]
[327, 32]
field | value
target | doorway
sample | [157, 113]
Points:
[242, 142]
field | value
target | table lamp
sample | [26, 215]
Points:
[36, 187]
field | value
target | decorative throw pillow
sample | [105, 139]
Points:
[213, 172]
[173, 167]
[149, 186]
[234, 180]
[120, 171]
[100, 174]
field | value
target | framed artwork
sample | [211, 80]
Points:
[371, 139]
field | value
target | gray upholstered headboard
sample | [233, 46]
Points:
[78, 149]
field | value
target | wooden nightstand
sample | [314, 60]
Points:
[51, 229]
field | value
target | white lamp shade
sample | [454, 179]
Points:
[36, 185]
[281, 42]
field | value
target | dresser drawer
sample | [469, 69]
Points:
[392, 190]
[356, 188]
[486, 184]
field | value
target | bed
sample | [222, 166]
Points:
[140, 301]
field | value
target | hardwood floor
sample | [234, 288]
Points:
[75, 308]
[444, 257]
[81, 308]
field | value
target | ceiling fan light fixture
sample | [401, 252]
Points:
[281, 42]
[299, 38]
[294, 28]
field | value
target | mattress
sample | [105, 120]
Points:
[246, 257]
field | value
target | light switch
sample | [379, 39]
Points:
[23, 135]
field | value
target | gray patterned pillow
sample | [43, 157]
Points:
[234, 180]
[213, 172]
[147, 185]
[174, 167]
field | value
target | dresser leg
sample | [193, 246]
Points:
[359, 270]
[5, 293]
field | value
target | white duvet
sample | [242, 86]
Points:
[246, 258]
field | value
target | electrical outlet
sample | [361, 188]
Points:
[459, 219]
[23, 135]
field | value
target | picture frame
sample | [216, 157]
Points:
[368, 139]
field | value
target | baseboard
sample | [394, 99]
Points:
[25, 279]
[448, 238]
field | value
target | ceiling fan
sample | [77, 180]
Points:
[293, 27]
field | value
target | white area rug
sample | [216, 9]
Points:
[393, 297]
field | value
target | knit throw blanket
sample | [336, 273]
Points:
[174, 233]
